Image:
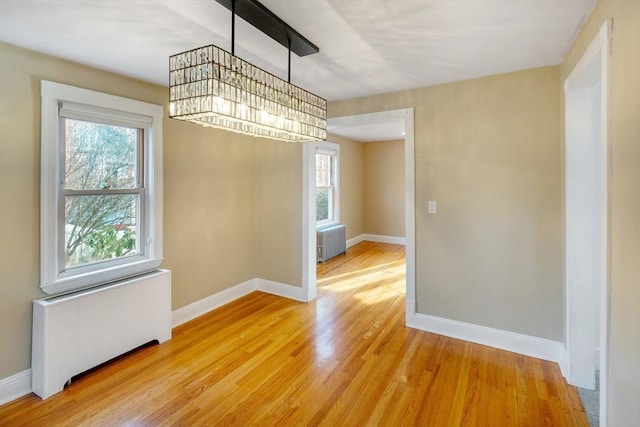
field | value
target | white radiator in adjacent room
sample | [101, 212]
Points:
[75, 332]
[331, 241]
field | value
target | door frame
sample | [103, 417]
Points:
[588, 79]
[309, 284]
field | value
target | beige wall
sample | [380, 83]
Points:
[383, 188]
[624, 204]
[371, 186]
[211, 197]
[351, 184]
[19, 209]
[488, 151]
[209, 209]
[20, 75]
[279, 212]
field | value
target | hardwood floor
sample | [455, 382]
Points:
[345, 359]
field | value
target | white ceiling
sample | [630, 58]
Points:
[366, 46]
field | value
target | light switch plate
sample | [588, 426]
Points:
[432, 207]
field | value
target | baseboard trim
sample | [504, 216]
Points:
[384, 239]
[355, 241]
[527, 345]
[205, 305]
[15, 386]
[280, 289]
[564, 362]
[376, 238]
[19, 384]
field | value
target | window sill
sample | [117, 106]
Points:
[327, 225]
[99, 277]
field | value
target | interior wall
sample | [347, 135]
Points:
[384, 188]
[209, 196]
[279, 212]
[209, 209]
[623, 347]
[488, 151]
[351, 184]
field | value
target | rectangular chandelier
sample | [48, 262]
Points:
[213, 87]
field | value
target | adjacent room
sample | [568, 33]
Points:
[320, 212]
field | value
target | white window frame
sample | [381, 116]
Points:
[332, 149]
[54, 278]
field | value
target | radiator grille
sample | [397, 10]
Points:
[81, 330]
[331, 241]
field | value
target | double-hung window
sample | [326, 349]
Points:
[101, 188]
[327, 189]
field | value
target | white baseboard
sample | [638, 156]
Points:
[564, 362]
[19, 384]
[355, 241]
[376, 238]
[527, 345]
[15, 386]
[205, 305]
[280, 289]
[384, 239]
[198, 308]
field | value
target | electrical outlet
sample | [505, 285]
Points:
[432, 207]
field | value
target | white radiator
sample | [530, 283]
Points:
[331, 241]
[75, 332]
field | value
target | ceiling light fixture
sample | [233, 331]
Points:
[212, 87]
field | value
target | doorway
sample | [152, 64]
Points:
[586, 213]
[309, 208]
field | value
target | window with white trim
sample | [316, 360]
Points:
[327, 188]
[101, 188]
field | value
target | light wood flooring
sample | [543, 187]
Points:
[345, 359]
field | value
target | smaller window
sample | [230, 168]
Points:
[327, 184]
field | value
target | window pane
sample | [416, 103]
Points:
[99, 228]
[99, 156]
[323, 170]
[322, 204]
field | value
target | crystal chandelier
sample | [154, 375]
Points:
[212, 87]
